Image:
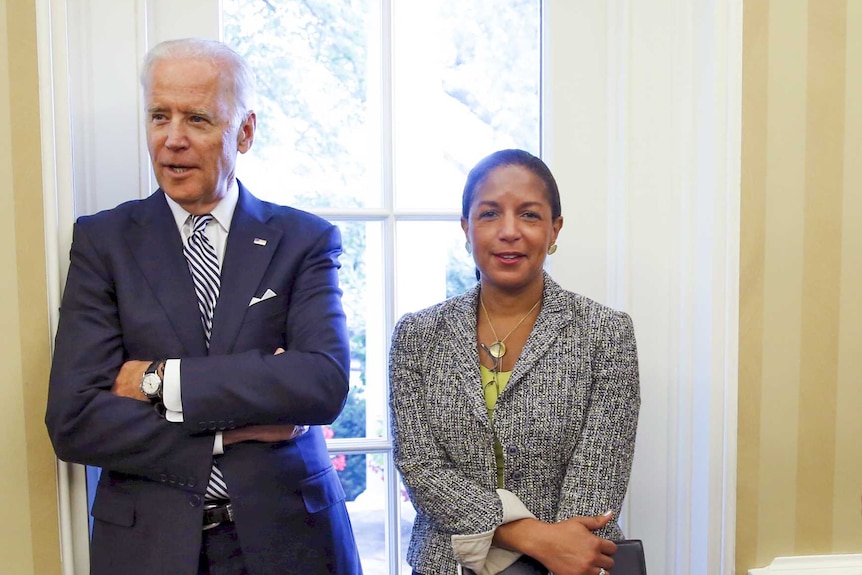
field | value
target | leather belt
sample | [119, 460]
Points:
[217, 514]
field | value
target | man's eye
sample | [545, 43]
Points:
[159, 117]
[197, 119]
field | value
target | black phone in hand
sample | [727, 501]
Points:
[629, 558]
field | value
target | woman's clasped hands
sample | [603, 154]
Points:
[568, 547]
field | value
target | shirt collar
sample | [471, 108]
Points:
[222, 212]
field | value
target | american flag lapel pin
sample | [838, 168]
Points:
[259, 242]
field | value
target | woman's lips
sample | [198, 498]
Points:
[509, 258]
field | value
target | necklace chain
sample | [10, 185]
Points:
[498, 348]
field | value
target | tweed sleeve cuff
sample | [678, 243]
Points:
[475, 551]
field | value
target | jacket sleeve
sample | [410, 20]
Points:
[598, 472]
[308, 383]
[437, 488]
[86, 422]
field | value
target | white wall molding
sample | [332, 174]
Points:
[642, 120]
[813, 565]
[58, 206]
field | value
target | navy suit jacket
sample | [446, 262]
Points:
[129, 295]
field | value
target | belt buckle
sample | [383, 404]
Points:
[227, 507]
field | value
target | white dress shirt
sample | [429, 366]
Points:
[217, 232]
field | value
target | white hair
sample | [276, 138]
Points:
[237, 68]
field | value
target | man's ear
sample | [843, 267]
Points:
[245, 137]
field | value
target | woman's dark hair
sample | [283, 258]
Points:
[511, 157]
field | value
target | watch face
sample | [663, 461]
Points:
[151, 384]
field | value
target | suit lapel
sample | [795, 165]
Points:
[550, 322]
[250, 246]
[462, 346]
[157, 248]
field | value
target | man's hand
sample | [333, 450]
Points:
[128, 381]
[263, 433]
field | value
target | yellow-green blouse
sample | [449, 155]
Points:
[492, 391]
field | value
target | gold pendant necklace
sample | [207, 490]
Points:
[498, 349]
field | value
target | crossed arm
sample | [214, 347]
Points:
[96, 412]
[128, 384]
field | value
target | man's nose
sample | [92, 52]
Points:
[176, 138]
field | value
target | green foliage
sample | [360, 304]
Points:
[351, 423]
[460, 275]
[309, 59]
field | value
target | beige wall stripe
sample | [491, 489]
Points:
[846, 520]
[37, 471]
[752, 242]
[782, 308]
[822, 272]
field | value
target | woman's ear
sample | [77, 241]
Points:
[558, 225]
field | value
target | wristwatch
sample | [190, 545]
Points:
[151, 383]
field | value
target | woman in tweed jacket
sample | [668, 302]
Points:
[565, 418]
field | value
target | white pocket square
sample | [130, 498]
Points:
[266, 295]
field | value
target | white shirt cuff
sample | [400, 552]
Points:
[172, 392]
[475, 551]
[218, 446]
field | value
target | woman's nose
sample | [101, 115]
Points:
[509, 226]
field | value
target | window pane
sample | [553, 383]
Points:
[368, 510]
[318, 138]
[361, 279]
[465, 76]
[431, 264]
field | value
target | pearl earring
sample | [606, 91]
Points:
[468, 247]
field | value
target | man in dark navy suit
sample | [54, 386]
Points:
[201, 342]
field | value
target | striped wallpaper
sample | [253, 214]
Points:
[29, 531]
[800, 340]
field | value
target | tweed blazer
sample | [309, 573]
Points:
[567, 419]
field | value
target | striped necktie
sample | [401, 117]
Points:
[204, 267]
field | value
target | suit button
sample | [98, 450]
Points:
[512, 450]
[191, 482]
[195, 500]
[172, 479]
[163, 477]
[202, 424]
[181, 482]
[517, 475]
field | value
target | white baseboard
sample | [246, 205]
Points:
[813, 565]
